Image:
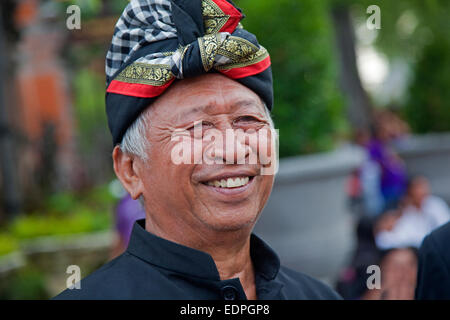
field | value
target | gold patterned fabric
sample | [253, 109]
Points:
[241, 53]
[213, 17]
[144, 73]
[219, 50]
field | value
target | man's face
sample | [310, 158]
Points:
[201, 194]
[419, 190]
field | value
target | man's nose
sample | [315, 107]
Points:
[233, 149]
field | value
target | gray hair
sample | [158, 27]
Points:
[135, 141]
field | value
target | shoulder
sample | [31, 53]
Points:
[435, 204]
[301, 286]
[91, 287]
[433, 278]
[437, 240]
[118, 279]
[436, 200]
[442, 234]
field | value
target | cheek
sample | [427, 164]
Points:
[198, 148]
[267, 182]
[169, 165]
[170, 185]
[266, 148]
[265, 188]
[186, 150]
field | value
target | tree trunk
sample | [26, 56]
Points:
[358, 103]
[12, 200]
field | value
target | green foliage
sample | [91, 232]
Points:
[428, 109]
[61, 202]
[308, 106]
[98, 198]
[27, 284]
[89, 90]
[63, 214]
[93, 8]
[84, 220]
[8, 244]
[418, 32]
[406, 25]
[117, 6]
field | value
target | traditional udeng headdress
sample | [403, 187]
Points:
[158, 41]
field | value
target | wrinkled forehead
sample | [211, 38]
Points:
[210, 94]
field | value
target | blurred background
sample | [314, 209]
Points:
[364, 120]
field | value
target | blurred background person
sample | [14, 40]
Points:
[127, 212]
[393, 176]
[391, 240]
[398, 276]
[421, 213]
[398, 236]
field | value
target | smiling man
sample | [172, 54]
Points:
[183, 77]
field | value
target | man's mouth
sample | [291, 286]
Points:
[232, 182]
[230, 185]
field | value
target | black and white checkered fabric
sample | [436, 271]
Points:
[142, 22]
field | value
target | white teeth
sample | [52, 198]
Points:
[230, 182]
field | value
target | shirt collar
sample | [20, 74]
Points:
[196, 263]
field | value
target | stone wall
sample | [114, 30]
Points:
[429, 155]
[307, 220]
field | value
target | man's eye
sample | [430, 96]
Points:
[200, 125]
[246, 119]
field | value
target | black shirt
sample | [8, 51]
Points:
[155, 268]
[433, 278]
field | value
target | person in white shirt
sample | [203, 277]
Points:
[421, 214]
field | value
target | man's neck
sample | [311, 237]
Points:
[237, 264]
[230, 251]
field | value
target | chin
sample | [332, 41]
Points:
[232, 221]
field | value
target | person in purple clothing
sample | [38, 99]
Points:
[383, 176]
[389, 130]
[126, 213]
[393, 171]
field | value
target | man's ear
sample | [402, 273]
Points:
[126, 169]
